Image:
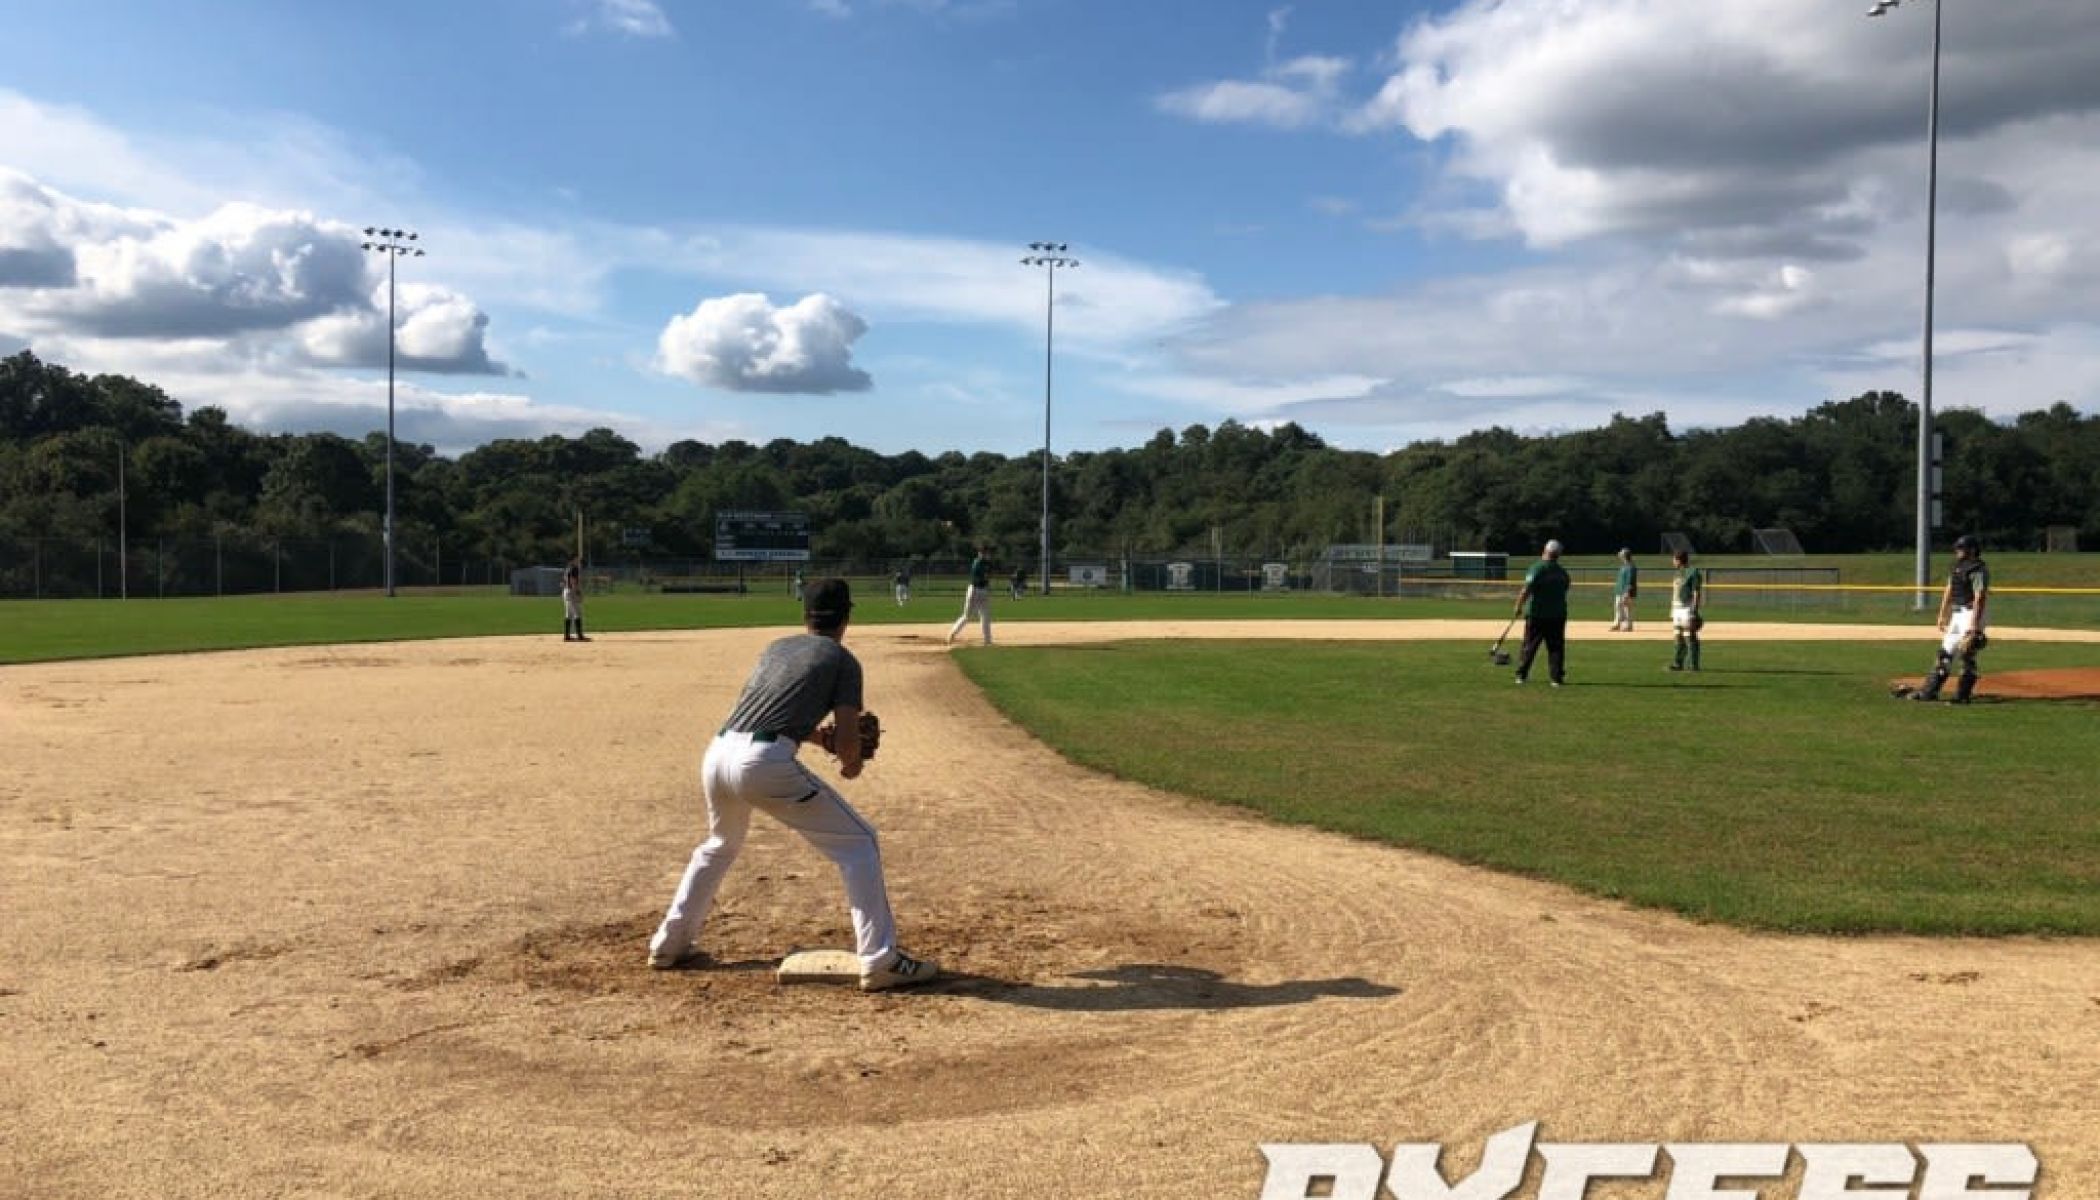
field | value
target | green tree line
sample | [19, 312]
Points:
[1840, 476]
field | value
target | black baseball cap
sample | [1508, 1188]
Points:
[827, 601]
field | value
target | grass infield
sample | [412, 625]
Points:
[1779, 789]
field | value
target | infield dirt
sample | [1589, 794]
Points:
[371, 921]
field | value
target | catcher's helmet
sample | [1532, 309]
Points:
[1968, 541]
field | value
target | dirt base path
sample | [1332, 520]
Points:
[370, 921]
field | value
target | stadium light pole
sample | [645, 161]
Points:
[1883, 8]
[394, 243]
[1049, 256]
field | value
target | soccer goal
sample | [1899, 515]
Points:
[1777, 541]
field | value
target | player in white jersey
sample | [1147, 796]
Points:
[572, 603]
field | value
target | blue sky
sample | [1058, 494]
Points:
[800, 218]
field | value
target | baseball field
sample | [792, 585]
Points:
[369, 919]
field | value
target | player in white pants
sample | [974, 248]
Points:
[744, 772]
[1625, 589]
[751, 765]
[977, 602]
[572, 603]
[1962, 614]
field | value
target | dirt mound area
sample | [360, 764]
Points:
[373, 923]
[2063, 683]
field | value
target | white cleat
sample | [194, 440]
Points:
[902, 971]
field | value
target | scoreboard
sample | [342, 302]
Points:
[743, 536]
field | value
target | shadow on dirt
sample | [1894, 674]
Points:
[1137, 987]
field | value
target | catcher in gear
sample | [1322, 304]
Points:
[1961, 622]
[751, 766]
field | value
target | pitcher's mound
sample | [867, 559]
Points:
[2062, 683]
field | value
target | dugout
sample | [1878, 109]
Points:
[1479, 564]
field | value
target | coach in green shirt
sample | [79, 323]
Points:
[1544, 606]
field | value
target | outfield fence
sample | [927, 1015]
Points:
[244, 563]
[1763, 593]
[227, 565]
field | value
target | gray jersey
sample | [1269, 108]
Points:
[794, 687]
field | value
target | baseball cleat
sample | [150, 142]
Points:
[672, 960]
[902, 971]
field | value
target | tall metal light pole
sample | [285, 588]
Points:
[393, 244]
[1050, 256]
[123, 532]
[1932, 191]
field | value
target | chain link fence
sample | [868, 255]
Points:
[227, 565]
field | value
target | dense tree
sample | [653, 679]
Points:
[1841, 476]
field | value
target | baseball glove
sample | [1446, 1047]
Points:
[1696, 624]
[1971, 642]
[870, 736]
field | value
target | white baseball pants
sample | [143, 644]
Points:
[977, 604]
[1958, 626]
[740, 775]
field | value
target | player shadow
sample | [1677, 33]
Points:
[1141, 987]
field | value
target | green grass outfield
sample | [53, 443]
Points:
[1779, 789]
[43, 630]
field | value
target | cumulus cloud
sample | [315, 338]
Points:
[437, 329]
[241, 268]
[630, 18]
[1641, 116]
[743, 343]
[40, 227]
[1725, 205]
[254, 283]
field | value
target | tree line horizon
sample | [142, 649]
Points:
[1841, 476]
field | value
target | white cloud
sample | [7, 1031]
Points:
[968, 10]
[1644, 116]
[1787, 290]
[436, 329]
[631, 18]
[1724, 204]
[1289, 95]
[1240, 396]
[742, 343]
[238, 269]
[1108, 302]
[253, 282]
[1506, 386]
